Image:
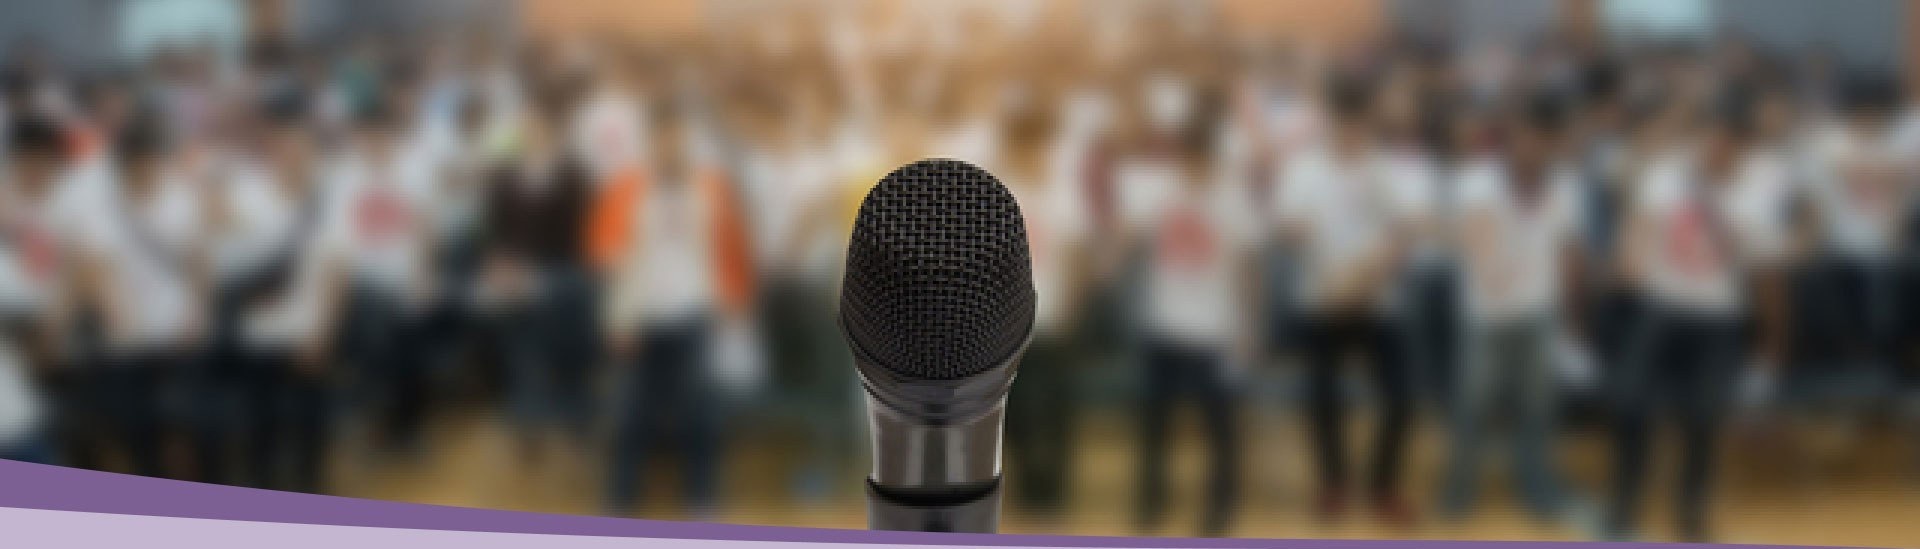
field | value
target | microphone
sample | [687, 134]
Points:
[937, 305]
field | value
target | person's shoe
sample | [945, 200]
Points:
[1393, 510]
[1614, 529]
[1695, 531]
[1330, 505]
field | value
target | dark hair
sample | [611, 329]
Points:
[1544, 111]
[35, 134]
[1870, 92]
[1600, 81]
[1349, 95]
[1734, 111]
[285, 104]
[375, 112]
[1203, 123]
[144, 138]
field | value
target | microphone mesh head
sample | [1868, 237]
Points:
[938, 283]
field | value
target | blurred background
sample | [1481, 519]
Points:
[1471, 269]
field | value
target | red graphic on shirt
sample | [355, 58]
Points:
[1691, 250]
[39, 253]
[1187, 242]
[382, 216]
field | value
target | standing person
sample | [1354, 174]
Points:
[36, 247]
[381, 185]
[534, 277]
[1701, 225]
[1042, 178]
[1863, 201]
[1194, 225]
[1411, 172]
[144, 268]
[1337, 210]
[1519, 229]
[660, 326]
[275, 300]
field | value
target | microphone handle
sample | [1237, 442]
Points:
[977, 513]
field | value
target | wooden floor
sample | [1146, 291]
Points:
[1865, 493]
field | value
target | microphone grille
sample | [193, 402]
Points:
[938, 283]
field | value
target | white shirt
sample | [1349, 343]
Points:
[672, 277]
[26, 280]
[1347, 211]
[1856, 183]
[146, 247]
[1197, 236]
[377, 218]
[1057, 218]
[609, 133]
[974, 141]
[47, 231]
[1413, 181]
[264, 222]
[1521, 273]
[1055, 223]
[1703, 236]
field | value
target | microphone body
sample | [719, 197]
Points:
[937, 308]
[936, 467]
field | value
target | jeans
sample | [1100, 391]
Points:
[667, 400]
[1327, 339]
[1506, 362]
[1175, 370]
[1686, 360]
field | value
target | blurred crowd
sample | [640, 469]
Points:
[211, 265]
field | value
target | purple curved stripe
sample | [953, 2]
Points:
[32, 486]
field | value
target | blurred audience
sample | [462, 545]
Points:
[223, 267]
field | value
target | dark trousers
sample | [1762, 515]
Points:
[1687, 361]
[814, 390]
[1433, 330]
[1852, 310]
[1040, 443]
[549, 345]
[33, 448]
[123, 406]
[290, 412]
[1326, 341]
[212, 404]
[392, 350]
[667, 403]
[1176, 370]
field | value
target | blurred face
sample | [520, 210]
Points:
[140, 172]
[1718, 153]
[1397, 112]
[376, 140]
[1350, 135]
[1168, 103]
[288, 149]
[34, 170]
[1531, 150]
[1775, 116]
